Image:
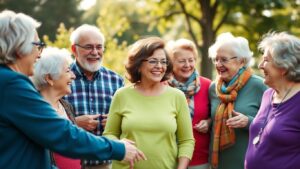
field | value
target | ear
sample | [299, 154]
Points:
[18, 55]
[49, 80]
[242, 61]
[283, 72]
[73, 48]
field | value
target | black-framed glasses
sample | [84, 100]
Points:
[40, 45]
[155, 62]
[90, 48]
[223, 61]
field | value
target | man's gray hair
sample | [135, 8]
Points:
[81, 30]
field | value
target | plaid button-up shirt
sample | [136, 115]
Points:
[93, 96]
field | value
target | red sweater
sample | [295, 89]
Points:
[201, 111]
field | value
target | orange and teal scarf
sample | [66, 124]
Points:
[224, 136]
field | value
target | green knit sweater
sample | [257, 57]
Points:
[159, 125]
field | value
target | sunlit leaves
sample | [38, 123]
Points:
[62, 39]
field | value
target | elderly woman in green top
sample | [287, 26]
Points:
[235, 98]
[151, 113]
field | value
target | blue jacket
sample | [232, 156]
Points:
[29, 127]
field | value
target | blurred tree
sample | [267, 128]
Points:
[203, 19]
[121, 25]
[123, 22]
[62, 38]
[50, 12]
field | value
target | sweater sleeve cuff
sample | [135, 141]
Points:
[118, 151]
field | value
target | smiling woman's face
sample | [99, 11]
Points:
[227, 64]
[184, 63]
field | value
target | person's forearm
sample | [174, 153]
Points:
[183, 162]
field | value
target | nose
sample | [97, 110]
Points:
[94, 51]
[72, 75]
[218, 63]
[260, 65]
[39, 55]
[158, 64]
[186, 63]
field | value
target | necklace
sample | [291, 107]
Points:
[267, 119]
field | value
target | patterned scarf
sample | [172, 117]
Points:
[224, 136]
[189, 88]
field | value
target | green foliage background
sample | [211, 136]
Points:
[125, 21]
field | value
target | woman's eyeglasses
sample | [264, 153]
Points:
[155, 62]
[40, 45]
[223, 61]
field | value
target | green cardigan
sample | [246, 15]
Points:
[247, 102]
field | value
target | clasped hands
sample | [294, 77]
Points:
[133, 154]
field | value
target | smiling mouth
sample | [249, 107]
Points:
[93, 59]
[222, 71]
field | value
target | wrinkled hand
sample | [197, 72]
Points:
[103, 120]
[202, 126]
[88, 122]
[238, 121]
[132, 153]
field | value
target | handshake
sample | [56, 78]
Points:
[132, 153]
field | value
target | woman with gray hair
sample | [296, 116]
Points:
[29, 126]
[275, 131]
[53, 77]
[235, 98]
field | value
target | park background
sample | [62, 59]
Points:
[125, 21]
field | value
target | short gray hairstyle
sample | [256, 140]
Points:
[51, 63]
[239, 45]
[17, 33]
[81, 30]
[285, 50]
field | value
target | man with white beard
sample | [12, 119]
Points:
[94, 86]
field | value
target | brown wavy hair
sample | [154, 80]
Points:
[141, 50]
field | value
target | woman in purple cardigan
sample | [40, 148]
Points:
[275, 131]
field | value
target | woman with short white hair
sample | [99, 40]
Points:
[235, 98]
[52, 77]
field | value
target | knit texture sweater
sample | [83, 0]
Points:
[159, 125]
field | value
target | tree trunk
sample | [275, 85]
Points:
[206, 66]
